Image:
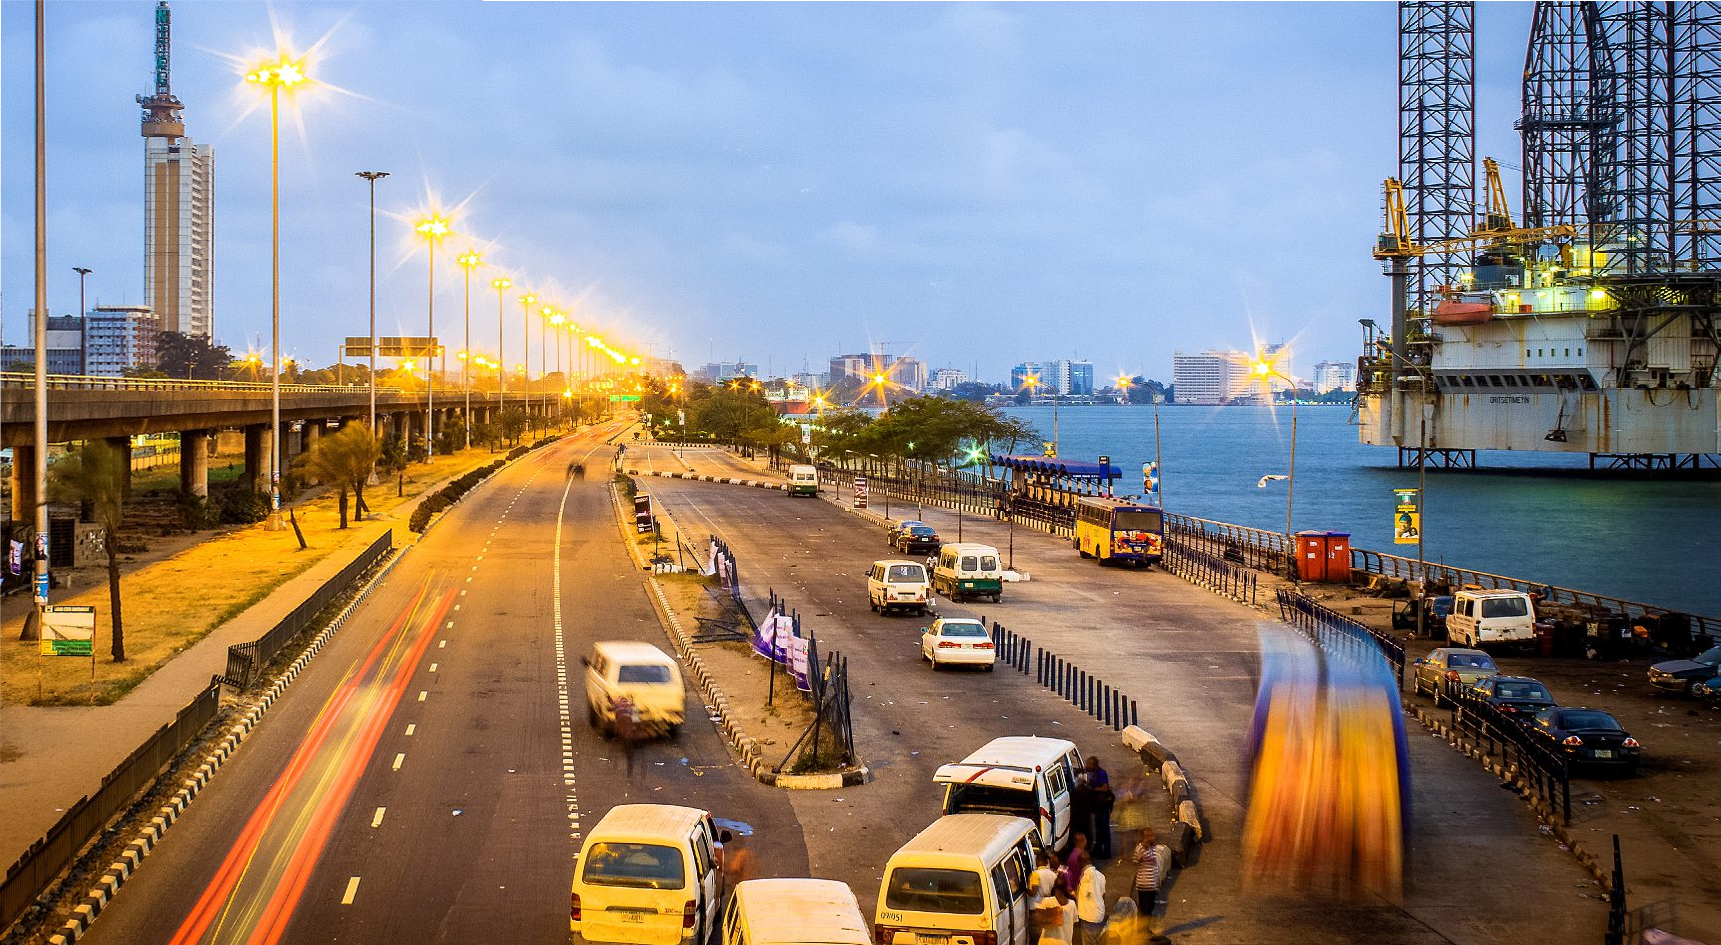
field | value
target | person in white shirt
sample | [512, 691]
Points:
[1055, 916]
[1090, 901]
[1041, 881]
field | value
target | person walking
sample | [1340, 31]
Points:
[1090, 901]
[1100, 801]
[628, 729]
[1055, 916]
[1149, 873]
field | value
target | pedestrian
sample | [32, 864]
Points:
[1043, 879]
[1148, 876]
[1090, 901]
[1081, 805]
[1078, 846]
[1100, 800]
[1055, 916]
[628, 729]
[737, 861]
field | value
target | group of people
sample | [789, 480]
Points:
[1068, 896]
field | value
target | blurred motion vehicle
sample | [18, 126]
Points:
[958, 641]
[1514, 695]
[1682, 675]
[1588, 737]
[1450, 663]
[648, 874]
[794, 912]
[895, 584]
[1482, 617]
[917, 537]
[646, 676]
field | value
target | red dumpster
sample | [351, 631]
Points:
[1339, 557]
[1323, 556]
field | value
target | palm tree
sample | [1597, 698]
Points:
[94, 476]
[343, 460]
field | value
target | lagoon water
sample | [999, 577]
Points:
[1529, 516]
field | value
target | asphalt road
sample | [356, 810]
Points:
[1478, 871]
[413, 785]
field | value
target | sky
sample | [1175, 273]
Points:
[970, 184]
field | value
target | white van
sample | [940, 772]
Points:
[1022, 775]
[961, 881]
[648, 874]
[644, 674]
[803, 480]
[794, 912]
[1480, 617]
[897, 583]
[967, 570]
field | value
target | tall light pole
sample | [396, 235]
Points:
[468, 261]
[434, 228]
[1264, 370]
[39, 570]
[525, 340]
[83, 274]
[557, 320]
[501, 286]
[284, 74]
[372, 177]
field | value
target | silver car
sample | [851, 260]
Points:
[1451, 663]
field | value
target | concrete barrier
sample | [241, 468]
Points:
[1187, 831]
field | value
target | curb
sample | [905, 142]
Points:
[729, 480]
[1185, 805]
[1600, 872]
[745, 746]
[133, 856]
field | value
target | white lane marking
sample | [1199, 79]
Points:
[411, 727]
[441, 643]
[376, 818]
[399, 760]
[422, 694]
[462, 593]
[352, 890]
[450, 625]
[433, 667]
[562, 670]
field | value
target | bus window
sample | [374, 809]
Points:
[1137, 520]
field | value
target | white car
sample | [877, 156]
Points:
[958, 641]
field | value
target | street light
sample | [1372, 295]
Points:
[372, 177]
[526, 341]
[468, 261]
[284, 74]
[1264, 370]
[432, 228]
[501, 286]
[557, 319]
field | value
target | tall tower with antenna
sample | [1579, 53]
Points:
[179, 204]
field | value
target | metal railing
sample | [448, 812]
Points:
[1205, 569]
[245, 661]
[43, 862]
[23, 381]
[1546, 772]
[1255, 548]
[1337, 634]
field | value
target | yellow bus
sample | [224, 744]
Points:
[1119, 530]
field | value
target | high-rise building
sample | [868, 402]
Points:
[720, 371]
[845, 366]
[178, 205]
[1335, 375]
[65, 347]
[908, 373]
[1081, 378]
[1216, 377]
[118, 338]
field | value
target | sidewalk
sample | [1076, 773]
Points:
[40, 777]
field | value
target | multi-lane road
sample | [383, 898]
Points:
[426, 779]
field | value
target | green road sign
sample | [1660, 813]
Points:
[623, 398]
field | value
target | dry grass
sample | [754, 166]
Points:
[172, 604]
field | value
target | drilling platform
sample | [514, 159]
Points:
[1594, 326]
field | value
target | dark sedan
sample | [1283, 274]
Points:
[1514, 695]
[1588, 736]
[1679, 675]
[921, 538]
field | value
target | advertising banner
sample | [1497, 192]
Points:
[860, 492]
[1407, 517]
[799, 647]
[68, 631]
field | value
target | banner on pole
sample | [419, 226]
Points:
[798, 653]
[860, 492]
[68, 631]
[1407, 517]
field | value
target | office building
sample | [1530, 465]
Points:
[1059, 376]
[947, 379]
[721, 371]
[1215, 377]
[119, 338]
[908, 373]
[65, 347]
[845, 366]
[1334, 375]
[178, 206]
[1022, 373]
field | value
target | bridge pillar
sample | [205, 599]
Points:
[122, 446]
[24, 487]
[257, 453]
[194, 462]
[310, 433]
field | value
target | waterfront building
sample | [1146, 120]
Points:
[1215, 377]
[947, 379]
[1334, 375]
[65, 347]
[178, 206]
[1020, 374]
[119, 338]
[908, 373]
[718, 372]
[845, 366]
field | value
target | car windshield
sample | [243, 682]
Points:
[1709, 657]
[962, 630]
[905, 574]
[641, 865]
[1469, 661]
[921, 531]
[923, 889]
[1586, 719]
[1136, 520]
[643, 674]
[1505, 607]
[1522, 690]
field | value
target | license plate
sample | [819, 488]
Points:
[932, 940]
[633, 918]
[1604, 753]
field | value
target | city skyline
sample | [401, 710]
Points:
[704, 185]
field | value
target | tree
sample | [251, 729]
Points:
[186, 356]
[344, 460]
[94, 476]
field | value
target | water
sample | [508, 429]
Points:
[1637, 539]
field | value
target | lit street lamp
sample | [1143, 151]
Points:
[434, 228]
[280, 75]
[1265, 371]
[468, 261]
[500, 285]
[372, 177]
[526, 341]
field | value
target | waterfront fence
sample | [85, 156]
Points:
[1255, 548]
[1338, 634]
[1546, 773]
[1205, 569]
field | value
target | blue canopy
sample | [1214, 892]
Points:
[1071, 468]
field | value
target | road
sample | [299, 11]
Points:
[1189, 657]
[420, 781]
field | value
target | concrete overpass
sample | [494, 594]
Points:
[116, 409]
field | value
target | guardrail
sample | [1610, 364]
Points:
[1251, 547]
[1545, 772]
[245, 661]
[1336, 633]
[22, 381]
[1207, 570]
[47, 857]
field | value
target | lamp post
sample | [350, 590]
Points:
[281, 75]
[468, 261]
[547, 316]
[501, 286]
[1264, 370]
[39, 474]
[526, 342]
[434, 228]
[557, 319]
[372, 177]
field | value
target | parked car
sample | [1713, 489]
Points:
[958, 641]
[1588, 736]
[1681, 675]
[896, 528]
[921, 538]
[1451, 662]
[1491, 616]
[1709, 690]
[1514, 695]
[1404, 614]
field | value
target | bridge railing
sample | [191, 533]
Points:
[26, 381]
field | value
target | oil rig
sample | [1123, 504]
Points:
[1592, 325]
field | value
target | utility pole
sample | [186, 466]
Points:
[33, 629]
[372, 177]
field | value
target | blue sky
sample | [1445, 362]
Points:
[971, 184]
